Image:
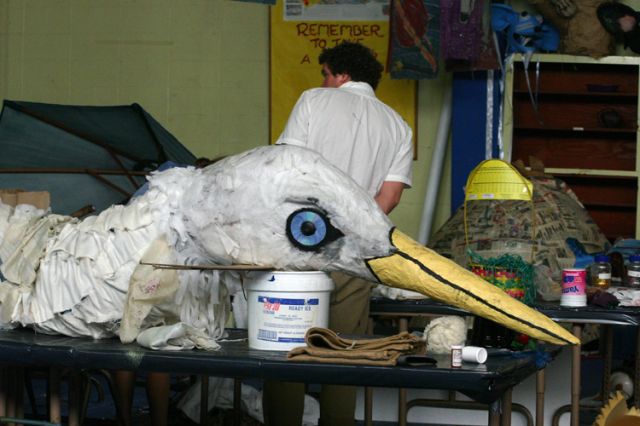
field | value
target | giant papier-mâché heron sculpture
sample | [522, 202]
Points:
[281, 206]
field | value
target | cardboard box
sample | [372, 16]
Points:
[13, 197]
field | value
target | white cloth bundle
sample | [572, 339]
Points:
[176, 337]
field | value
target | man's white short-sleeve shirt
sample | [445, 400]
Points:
[355, 131]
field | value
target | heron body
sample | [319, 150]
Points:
[281, 206]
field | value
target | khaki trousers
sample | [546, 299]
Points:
[283, 402]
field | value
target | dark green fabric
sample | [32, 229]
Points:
[115, 138]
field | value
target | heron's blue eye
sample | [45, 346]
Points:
[309, 229]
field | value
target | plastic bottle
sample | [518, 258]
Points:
[456, 356]
[633, 272]
[600, 272]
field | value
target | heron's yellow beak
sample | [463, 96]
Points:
[415, 267]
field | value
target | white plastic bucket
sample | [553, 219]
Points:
[284, 305]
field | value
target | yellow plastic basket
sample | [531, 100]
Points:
[497, 180]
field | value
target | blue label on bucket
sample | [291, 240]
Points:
[277, 300]
[291, 339]
[267, 335]
[272, 336]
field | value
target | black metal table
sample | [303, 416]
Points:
[489, 383]
[577, 317]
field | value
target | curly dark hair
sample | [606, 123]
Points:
[354, 59]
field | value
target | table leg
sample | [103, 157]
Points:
[540, 385]
[204, 399]
[3, 391]
[506, 407]
[11, 393]
[636, 373]
[368, 391]
[494, 413]
[20, 392]
[575, 377]
[607, 332]
[54, 396]
[403, 325]
[368, 406]
[74, 398]
[402, 407]
[237, 402]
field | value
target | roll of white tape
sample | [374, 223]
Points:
[474, 354]
[621, 381]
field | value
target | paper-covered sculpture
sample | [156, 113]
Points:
[281, 206]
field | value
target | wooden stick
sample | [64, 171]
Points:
[211, 267]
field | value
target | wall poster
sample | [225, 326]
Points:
[300, 29]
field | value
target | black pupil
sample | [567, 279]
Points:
[308, 228]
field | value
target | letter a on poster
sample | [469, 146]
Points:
[300, 29]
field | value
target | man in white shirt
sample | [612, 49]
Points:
[351, 128]
[370, 142]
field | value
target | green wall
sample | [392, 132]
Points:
[198, 66]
